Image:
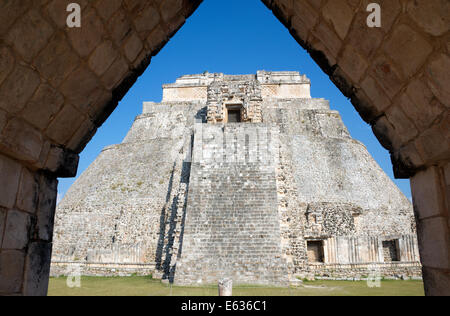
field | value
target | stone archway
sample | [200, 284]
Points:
[58, 85]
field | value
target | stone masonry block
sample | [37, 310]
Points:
[54, 159]
[17, 230]
[353, 3]
[434, 242]
[2, 224]
[146, 20]
[115, 74]
[447, 173]
[57, 60]
[304, 13]
[432, 15]
[43, 106]
[439, 76]
[385, 133]
[65, 124]
[175, 24]
[352, 63]
[22, 140]
[444, 126]
[86, 38]
[6, 63]
[136, 6]
[11, 271]
[156, 39]
[427, 196]
[119, 27]
[343, 82]
[62, 162]
[46, 208]
[81, 88]
[357, 36]
[446, 170]
[82, 136]
[18, 88]
[9, 181]
[339, 14]
[3, 120]
[144, 57]
[29, 35]
[376, 94]
[433, 144]
[97, 108]
[133, 46]
[408, 49]
[302, 24]
[422, 112]
[283, 10]
[436, 282]
[102, 58]
[9, 12]
[106, 8]
[447, 45]
[402, 124]
[27, 197]
[170, 8]
[410, 153]
[37, 269]
[44, 154]
[363, 105]
[328, 38]
[316, 3]
[386, 75]
[299, 29]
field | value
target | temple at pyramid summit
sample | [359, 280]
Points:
[236, 176]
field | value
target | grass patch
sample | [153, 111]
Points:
[146, 286]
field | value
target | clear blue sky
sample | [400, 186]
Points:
[233, 37]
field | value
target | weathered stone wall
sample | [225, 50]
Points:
[330, 186]
[363, 271]
[245, 92]
[27, 201]
[120, 209]
[71, 268]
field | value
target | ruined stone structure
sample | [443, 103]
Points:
[58, 85]
[245, 177]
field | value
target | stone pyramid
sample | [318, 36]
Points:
[245, 177]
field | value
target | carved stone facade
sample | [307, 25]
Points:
[242, 95]
[283, 192]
